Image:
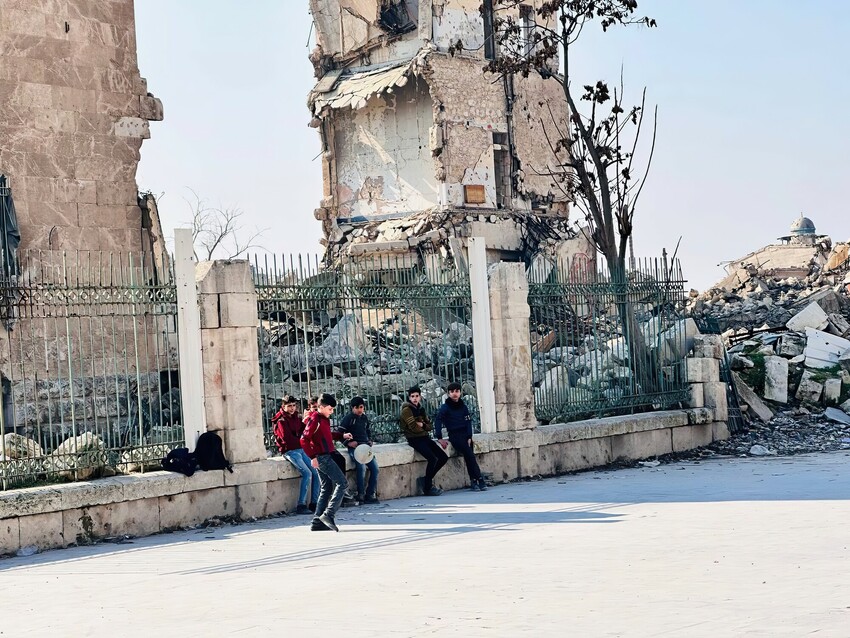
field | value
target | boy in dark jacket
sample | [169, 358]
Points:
[356, 425]
[318, 442]
[416, 427]
[287, 435]
[455, 416]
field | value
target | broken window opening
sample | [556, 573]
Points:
[489, 31]
[395, 17]
[502, 170]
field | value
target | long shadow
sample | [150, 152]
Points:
[577, 498]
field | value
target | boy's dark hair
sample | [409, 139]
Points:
[288, 398]
[356, 402]
[313, 399]
[327, 399]
[414, 390]
[454, 385]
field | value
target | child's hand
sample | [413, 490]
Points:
[314, 463]
[347, 436]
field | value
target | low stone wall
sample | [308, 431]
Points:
[78, 513]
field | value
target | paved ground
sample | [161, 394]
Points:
[735, 547]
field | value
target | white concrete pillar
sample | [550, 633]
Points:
[482, 338]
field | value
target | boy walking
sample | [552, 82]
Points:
[455, 416]
[356, 428]
[318, 442]
[416, 427]
[287, 435]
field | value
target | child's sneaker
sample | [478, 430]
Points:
[328, 522]
[302, 509]
[482, 485]
[372, 499]
[475, 487]
[319, 526]
[434, 491]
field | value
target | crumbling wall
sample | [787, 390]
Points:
[539, 114]
[73, 113]
[458, 21]
[469, 107]
[383, 164]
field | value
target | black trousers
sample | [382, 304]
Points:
[433, 454]
[461, 443]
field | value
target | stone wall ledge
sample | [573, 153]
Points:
[57, 498]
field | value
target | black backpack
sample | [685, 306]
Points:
[210, 454]
[180, 460]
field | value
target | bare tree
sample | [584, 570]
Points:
[218, 232]
[596, 147]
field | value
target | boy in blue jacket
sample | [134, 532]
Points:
[455, 416]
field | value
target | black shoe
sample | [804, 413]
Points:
[319, 526]
[482, 485]
[360, 498]
[312, 507]
[303, 509]
[420, 486]
[329, 522]
[372, 500]
[434, 491]
[475, 487]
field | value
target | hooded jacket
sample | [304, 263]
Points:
[317, 437]
[287, 431]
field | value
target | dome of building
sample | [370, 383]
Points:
[802, 226]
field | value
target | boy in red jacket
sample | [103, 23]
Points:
[318, 442]
[287, 434]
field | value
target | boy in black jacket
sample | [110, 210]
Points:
[455, 416]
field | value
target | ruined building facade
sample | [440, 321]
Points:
[73, 113]
[422, 146]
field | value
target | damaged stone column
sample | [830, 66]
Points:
[509, 320]
[703, 370]
[228, 309]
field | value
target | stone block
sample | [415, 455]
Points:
[504, 466]
[213, 381]
[256, 472]
[229, 344]
[720, 431]
[282, 496]
[641, 445]
[812, 316]
[708, 347]
[791, 345]
[27, 501]
[715, 398]
[208, 308]
[224, 277]
[527, 457]
[776, 379]
[115, 193]
[809, 390]
[237, 310]
[838, 325]
[241, 378]
[748, 396]
[572, 456]
[191, 508]
[510, 332]
[699, 416]
[689, 437]
[42, 531]
[831, 391]
[244, 446]
[90, 493]
[702, 370]
[152, 485]
[251, 501]
[242, 412]
[130, 518]
[697, 399]
[515, 416]
[10, 536]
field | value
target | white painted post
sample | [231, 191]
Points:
[189, 339]
[482, 337]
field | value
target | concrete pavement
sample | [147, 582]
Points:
[728, 547]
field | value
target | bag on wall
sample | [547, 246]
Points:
[180, 460]
[209, 451]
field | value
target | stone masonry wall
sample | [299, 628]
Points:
[73, 113]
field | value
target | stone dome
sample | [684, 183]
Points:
[802, 226]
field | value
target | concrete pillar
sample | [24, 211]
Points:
[231, 369]
[509, 323]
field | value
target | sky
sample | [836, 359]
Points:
[752, 129]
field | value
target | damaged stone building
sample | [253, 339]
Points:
[74, 111]
[421, 146]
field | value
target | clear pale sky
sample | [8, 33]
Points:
[752, 98]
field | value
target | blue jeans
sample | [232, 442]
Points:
[309, 475]
[372, 487]
[333, 486]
